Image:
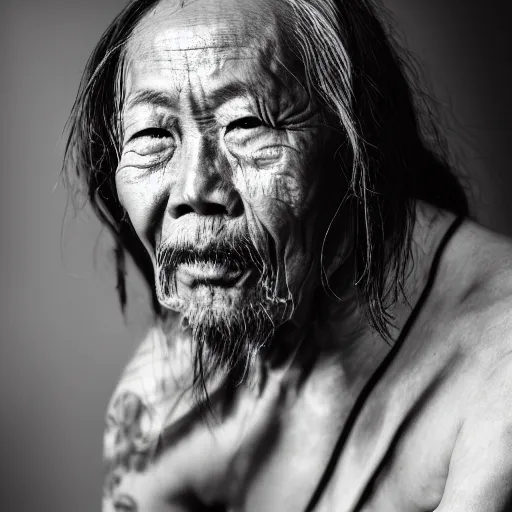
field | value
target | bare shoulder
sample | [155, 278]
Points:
[160, 449]
[480, 272]
[153, 393]
[480, 470]
[475, 299]
[157, 374]
[485, 319]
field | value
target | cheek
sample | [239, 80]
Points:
[140, 200]
[281, 199]
[287, 182]
[274, 202]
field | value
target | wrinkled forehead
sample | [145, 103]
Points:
[204, 34]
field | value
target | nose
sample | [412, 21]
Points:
[203, 185]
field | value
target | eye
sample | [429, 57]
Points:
[154, 133]
[244, 123]
[150, 142]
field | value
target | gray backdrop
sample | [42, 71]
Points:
[63, 339]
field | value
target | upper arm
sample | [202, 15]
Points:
[480, 471]
[151, 393]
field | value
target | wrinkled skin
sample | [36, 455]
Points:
[434, 434]
[221, 137]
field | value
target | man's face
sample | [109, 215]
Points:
[221, 163]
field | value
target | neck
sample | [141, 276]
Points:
[339, 336]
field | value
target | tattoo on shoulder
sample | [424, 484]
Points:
[149, 395]
[128, 444]
[123, 503]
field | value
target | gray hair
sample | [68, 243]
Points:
[385, 156]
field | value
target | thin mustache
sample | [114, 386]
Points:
[204, 231]
[233, 250]
[237, 253]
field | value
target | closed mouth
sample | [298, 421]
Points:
[212, 275]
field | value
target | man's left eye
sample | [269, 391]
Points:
[244, 123]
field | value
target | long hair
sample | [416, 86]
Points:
[391, 149]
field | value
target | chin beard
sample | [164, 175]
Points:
[227, 335]
[228, 342]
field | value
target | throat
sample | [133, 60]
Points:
[296, 419]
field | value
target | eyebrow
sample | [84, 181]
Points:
[152, 97]
[228, 92]
[167, 100]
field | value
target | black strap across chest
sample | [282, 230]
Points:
[381, 370]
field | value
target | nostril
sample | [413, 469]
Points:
[214, 209]
[236, 208]
[182, 209]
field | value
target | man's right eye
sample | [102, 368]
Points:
[150, 141]
[156, 133]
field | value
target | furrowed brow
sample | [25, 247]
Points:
[151, 97]
[215, 98]
[228, 92]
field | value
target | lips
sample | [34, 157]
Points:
[211, 274]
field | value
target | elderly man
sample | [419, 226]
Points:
[332, 333]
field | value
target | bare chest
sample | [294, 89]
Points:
[378, 470]
[391, 450]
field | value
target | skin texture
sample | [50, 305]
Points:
[219, 159]
[434, 434]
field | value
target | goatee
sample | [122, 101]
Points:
[228, 334]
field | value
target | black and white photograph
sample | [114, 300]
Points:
[256, 256]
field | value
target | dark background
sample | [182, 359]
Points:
[63, 339]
